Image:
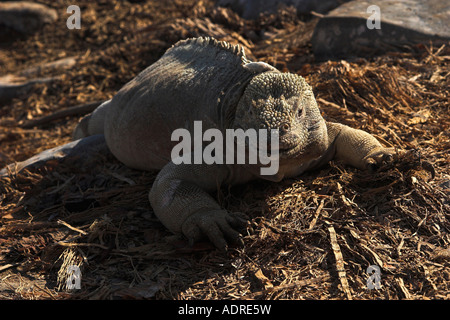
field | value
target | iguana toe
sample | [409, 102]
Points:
[217, 225]
[377, 157]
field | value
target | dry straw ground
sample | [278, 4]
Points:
[312, 237]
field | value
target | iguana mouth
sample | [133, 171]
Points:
[288, 152]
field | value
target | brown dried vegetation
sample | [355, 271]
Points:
[312, 237]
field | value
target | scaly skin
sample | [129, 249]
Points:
[357, 147]
[202, 79]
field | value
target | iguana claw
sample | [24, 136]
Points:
[218, 225]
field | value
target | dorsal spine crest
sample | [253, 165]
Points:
[204, 42]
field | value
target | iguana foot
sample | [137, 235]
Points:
[218, 225]
[377, 157]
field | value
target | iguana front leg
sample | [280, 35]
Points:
[356, 147]
[180, 199]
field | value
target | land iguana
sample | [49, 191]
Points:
[202, 79]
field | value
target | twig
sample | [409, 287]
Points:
[72, 111]
[7, 266]
[296, 284]
[316, 216]
[339, 262]
[73, 244]
[405, 291]
[316, 14]
[71, 228]
[61, 186]
[47, 291]
[65, 63]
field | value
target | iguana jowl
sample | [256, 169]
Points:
[206, 80]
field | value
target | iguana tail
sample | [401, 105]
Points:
[92, 123]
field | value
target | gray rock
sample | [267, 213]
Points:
[24, 16]
[250, 9]
[344, 31]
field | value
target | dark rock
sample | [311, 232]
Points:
[24, 16]
[250, 9]
[344, 31]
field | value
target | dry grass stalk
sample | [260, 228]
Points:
[339, 262]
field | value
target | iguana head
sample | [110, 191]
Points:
[284, 101]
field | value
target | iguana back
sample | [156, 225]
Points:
[197, 79]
